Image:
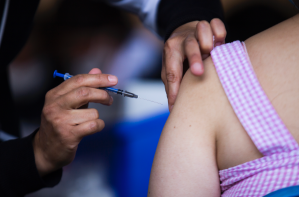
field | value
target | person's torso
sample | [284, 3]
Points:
[277, 71]
[257, 145]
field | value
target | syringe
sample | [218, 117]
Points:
[114, 90]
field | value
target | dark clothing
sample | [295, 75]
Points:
[18, 173]
[174, 13]
[17, 29]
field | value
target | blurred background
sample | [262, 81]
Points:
[75, 36]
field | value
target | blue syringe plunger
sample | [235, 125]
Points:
[64, 76]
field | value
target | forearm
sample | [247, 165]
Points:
[174, 13]
[18, 173]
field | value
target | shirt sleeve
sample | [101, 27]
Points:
[18, 173]
[146, 10]
[174, 13]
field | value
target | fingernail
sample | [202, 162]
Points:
[112, 78]
[197, 67]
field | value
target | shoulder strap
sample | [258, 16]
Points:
[249, 101]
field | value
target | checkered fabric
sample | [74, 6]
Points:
[279, 167]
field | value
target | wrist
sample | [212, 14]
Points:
[43, 166]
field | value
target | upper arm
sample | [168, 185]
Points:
[185, 160]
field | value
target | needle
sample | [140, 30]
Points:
[150, 101]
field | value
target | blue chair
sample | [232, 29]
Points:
[285, 192]
[134, 151]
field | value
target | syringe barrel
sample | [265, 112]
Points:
[67, 76]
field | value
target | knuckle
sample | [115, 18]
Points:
[171, 54]
[190, 40]
[171, 77]
[171, 98]
[166, 49]
[100, 78]
[79, 79]
[204, 23]
[170, 45]
[58, 123]
[48, 110]
[49, 94]
[83, 92]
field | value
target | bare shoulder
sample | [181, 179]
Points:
[185, 160]
[274, 55]
[202, 96]
[203, 135]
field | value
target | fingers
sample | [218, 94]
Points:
[63, 122]
[172, 69]
[193, 55]
[80, 96]
[88, 128]
[204, 36]
[85, 80]
[193, 41]
[219, 31]
[82, 115]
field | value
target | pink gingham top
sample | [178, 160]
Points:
[279, 168]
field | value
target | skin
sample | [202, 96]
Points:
[192, 41]
[203, 135]
[66, 120]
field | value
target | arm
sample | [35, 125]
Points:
[34, 162]
[18, 172]
[185, 159]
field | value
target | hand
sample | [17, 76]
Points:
[193, 41]
[64, 123]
